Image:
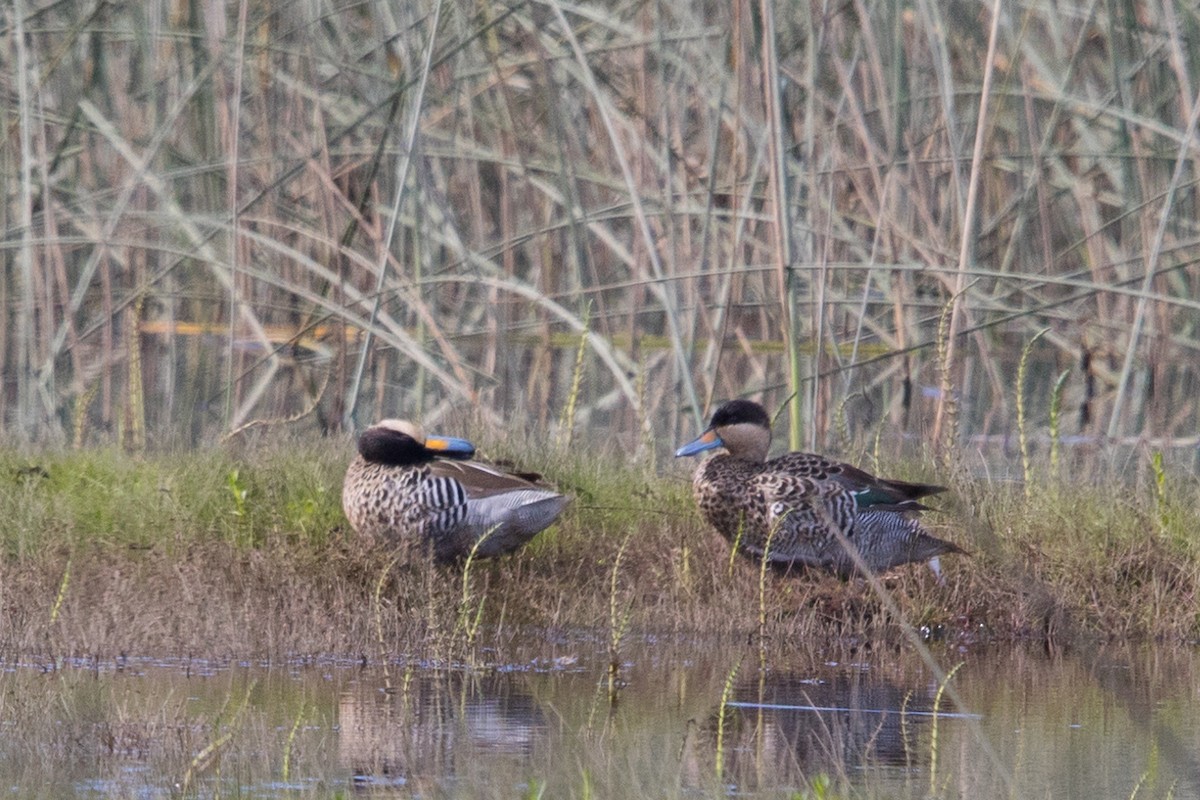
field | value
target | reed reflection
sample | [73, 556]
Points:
[435, 727]
[782, 729]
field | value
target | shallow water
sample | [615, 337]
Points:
[1105, 723]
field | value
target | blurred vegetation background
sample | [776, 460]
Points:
[604, 217]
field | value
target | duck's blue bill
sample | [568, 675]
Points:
[450, 445]
[707, 441]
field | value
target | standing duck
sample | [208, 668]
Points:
[404, 486]
[789, 509]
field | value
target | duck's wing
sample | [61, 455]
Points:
[870, 491]
[483, 480]
[908, 490]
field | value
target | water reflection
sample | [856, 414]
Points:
[1110, 723]
[847, 719]
[435, 726]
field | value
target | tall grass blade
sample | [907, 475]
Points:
[402, 170]
[135, 405]
[618, 625]
[210, 753]
[285, 769]
[1056, 420]
[659, 285]
[25, 334]
[933, 728]
[966, 251]
[1161, 496]
[1185, 157]
[1022, 422]
[722, 712]
[784, 266]
[63, 584]
[385, 572]
[470, 613]
[568, 417]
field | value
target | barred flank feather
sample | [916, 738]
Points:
[887, 539]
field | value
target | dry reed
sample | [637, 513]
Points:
[324, 220]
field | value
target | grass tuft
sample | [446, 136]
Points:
[105, 553]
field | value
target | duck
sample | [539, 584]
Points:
[789, 510]
[404, 486]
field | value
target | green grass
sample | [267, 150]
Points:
[108, 498]
[249, 553]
